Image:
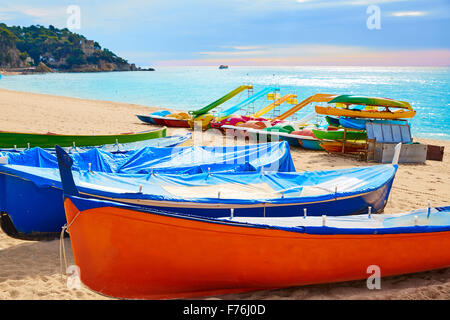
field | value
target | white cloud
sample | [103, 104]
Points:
[346, 56]
[303, 50]
[282, 5]
[42, 15]
[409, 14]
[369, 2]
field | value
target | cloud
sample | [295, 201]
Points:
[266, 6]
[244, 47]
[267, 51]
[41, 15]
[319, 55]
[369, 2]
[409, 14]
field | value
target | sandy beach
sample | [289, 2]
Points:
[31, 270]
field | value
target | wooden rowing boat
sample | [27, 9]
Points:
[129, 252]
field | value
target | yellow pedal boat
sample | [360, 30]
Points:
[372, 110]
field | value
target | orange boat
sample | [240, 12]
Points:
[129, 252]
[350, 146]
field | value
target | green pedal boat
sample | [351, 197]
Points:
[339, 135]
[29, 140]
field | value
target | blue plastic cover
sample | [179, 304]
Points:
[274, 156]
[223, 187]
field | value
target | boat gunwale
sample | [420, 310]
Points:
[365, 114]
[90, 136]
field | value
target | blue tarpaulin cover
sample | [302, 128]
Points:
[223, 187]
[270, 156]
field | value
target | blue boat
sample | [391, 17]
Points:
[149, 119]
[31, 207]
[32, 201]
[187, 160]
[360, 124]
[305, 142]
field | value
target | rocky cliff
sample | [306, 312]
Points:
[57, 49]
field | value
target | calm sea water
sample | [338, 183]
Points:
[187, 88]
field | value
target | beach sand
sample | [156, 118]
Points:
[31, 269]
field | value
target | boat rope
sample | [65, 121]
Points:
[62, 247]
[62, 252]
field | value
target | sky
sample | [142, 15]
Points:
[254, 32]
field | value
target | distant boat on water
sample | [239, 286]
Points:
[222, 66]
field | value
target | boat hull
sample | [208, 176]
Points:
[202, 120]
[37, 210]
[401, 114]
[146, 119]
[370, 101]
[336, 146]
[140, 255]
[309, 144]
[177, 123]
[24, 140]
[158, 121]
[339, 135]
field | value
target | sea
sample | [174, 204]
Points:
[190, 88]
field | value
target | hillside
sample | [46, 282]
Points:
[10, 57]
[59, 49]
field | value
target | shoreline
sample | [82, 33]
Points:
[31, 269]
[144, 109]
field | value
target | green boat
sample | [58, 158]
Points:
[285, 128]
[370, 101]
[339, 135]
[29, 140]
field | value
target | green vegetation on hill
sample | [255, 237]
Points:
[57, 48]
[9, 55]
